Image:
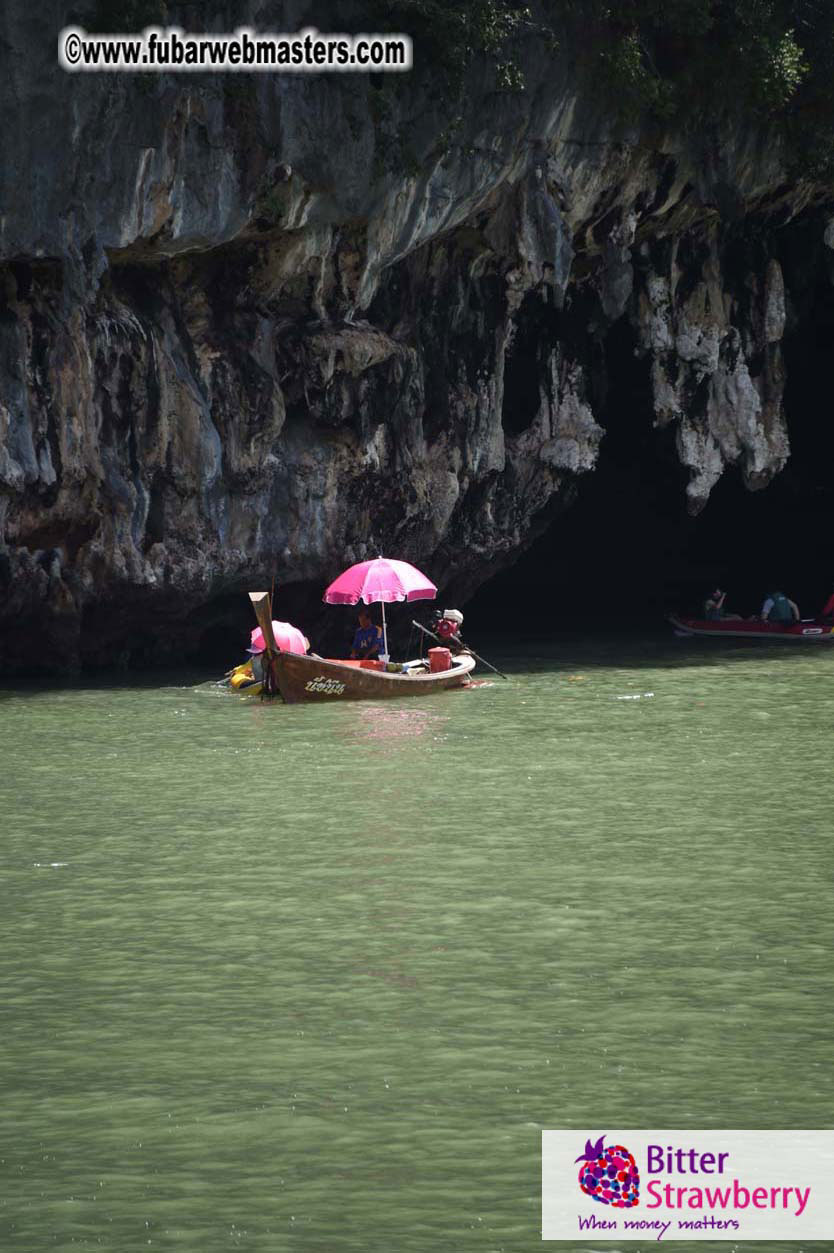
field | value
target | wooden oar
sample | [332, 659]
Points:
[477, 657]
[262, 605]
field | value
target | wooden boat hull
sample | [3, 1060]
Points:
[317, 679]
[811, 631]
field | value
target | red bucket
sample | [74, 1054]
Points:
[439, 659]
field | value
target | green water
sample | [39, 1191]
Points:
[315, 978]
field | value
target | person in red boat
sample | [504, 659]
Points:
[714, 609]
[780, 609]
[828, 607]
[714, 605]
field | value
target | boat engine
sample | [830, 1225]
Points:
[447, 624]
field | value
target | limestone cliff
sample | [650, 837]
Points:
[257, 326]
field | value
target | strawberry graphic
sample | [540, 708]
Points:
[609, 1175]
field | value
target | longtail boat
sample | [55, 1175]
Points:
[313, 678]
[297, 677]
[808, 631]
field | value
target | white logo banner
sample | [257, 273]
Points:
[687, 1185]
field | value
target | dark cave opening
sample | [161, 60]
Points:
[627, 552]
[537, 324]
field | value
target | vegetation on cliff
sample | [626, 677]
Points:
[675, 61]
[679, 62]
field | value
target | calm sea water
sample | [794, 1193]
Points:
[315, 978]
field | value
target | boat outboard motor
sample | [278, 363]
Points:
[447, 625]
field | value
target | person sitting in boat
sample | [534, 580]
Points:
[248, 674]
[714, 605]
[367, 642]
[828, 607]
[251, 672]
[779, 609]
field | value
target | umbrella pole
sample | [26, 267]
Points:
[384, 632]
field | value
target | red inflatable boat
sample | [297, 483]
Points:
[808, 631]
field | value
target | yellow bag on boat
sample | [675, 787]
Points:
[241, 675]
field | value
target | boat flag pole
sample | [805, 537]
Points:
[477, 656]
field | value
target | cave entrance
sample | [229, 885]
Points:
[627, 552]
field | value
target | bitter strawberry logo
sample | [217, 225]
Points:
[609, 1175]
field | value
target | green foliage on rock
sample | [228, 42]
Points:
[692, 61]
[453, 33]
[677, 61]
[681, 56]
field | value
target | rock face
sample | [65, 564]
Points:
[257, 326]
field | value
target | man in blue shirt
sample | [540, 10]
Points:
[367, 641]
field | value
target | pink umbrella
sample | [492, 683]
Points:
[288, 638]
[380, 580]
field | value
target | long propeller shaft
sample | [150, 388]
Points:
[477, 656]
